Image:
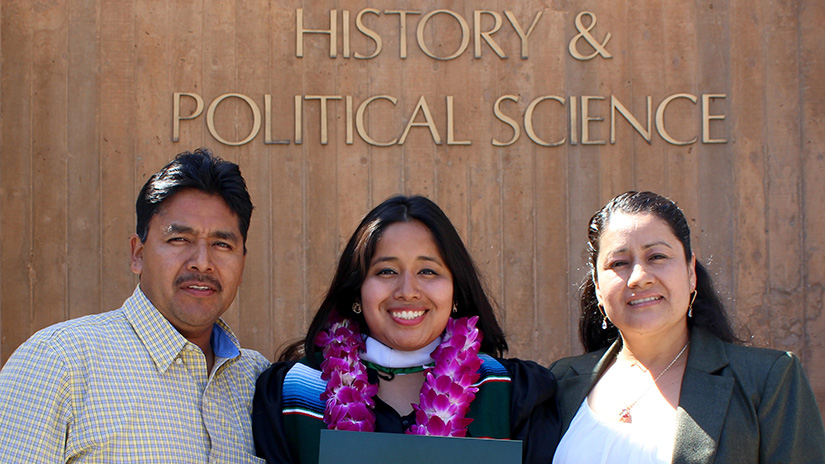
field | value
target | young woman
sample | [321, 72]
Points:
[405, 341]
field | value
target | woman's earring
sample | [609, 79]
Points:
[690, 307]
[604, 318]
[356, 307]
[455, 307]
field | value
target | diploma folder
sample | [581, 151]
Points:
[342, 447]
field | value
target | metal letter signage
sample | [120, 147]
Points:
[585, 34]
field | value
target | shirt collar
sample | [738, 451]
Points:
[382, 355]
[224, 343]
[163, 341]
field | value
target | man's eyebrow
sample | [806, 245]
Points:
[225, 235]
[175, 228]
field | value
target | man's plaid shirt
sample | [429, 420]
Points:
[124, 386]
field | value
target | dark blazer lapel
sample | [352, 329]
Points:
[573, 390]
[703, 401]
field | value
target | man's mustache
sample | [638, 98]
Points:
[205, 278]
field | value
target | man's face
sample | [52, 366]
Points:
[191, 263]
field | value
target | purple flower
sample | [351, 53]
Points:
[447, 391]
[348, 394]
[445, 395]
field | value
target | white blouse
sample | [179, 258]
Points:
[594, 439]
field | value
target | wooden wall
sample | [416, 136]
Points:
[86, 114]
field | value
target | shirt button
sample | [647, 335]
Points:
[178, 361]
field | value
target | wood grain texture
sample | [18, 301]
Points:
[811, 70]
[551, 325]
[84, 276]
[680, 63]
[255, 296]
[118, 149]
[784, 165]
[320, 160]
[86, 116]
[750, 155]
[49, 128]
[15, 174]
[715, 206]
[288, 187]
[583, 167]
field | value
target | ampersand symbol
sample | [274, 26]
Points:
[584, 32]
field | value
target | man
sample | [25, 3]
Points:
[162, 379]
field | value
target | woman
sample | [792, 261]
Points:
[399, 331]
[663, 379]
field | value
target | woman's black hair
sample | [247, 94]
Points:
[468, 291]
[708, 310]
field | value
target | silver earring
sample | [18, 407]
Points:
[455, 307]
[356, 307]
[604, 318]
[690, 307]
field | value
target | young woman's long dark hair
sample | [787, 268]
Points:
[468, 290]
[708, 310]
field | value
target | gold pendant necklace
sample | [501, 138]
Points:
[624, 416]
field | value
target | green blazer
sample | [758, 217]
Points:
[737, 405]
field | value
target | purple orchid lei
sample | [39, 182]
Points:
[349, 393]
[445, 395]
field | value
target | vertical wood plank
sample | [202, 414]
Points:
[552, 328]
[16, 24]
[153, 68]
[484, 209]
[450, 162]
[1, 195]
[784, 165]
[118, 141]
[583, 163]
[186, 43]
[812, 68]
[321, 160]
[254, 21]
[715, 165]
[518, 250]
[49, 164]
[419, 79]
[646, 33]
[518, 225]
[680, 63]
[84, 221]
[233, 117]
[382, 118]
[621, 165]
[117, 145]
[287, 176]
[352, 172]
[748, 85]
